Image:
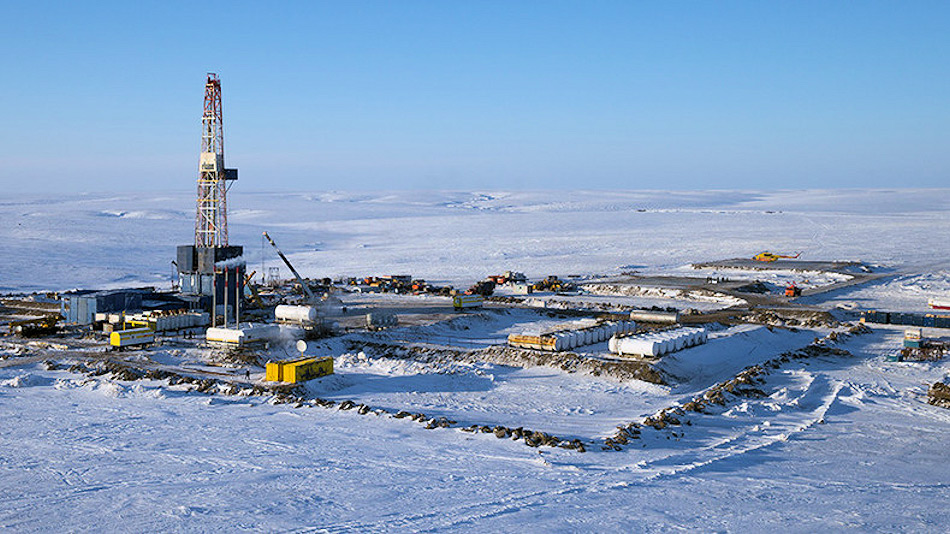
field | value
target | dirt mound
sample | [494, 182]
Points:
[939, 395]
[792, 318]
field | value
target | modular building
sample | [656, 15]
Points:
[295, 371]
[931, 320]
[467, 301]
[82, 307]
[132, 337]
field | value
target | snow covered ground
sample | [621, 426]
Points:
[459, 237]
[837, 442]
[840, 443]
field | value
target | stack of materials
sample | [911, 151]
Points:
[567, 337]
[654, 344]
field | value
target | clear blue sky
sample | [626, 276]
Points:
[471, 95]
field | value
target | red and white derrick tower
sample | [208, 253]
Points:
[211, 220]
[212, 267]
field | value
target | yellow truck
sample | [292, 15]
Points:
[296, 371]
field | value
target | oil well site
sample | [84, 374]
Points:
[227, 328]
[504, 330]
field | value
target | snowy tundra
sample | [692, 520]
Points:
[839, 442]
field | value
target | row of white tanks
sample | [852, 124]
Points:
[572, 338]
[658, 343]
[170, 321]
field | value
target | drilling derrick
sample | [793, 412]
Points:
[211, 270]
[211, 220]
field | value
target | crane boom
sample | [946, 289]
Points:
[300, 281]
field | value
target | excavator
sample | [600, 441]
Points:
[770, 257]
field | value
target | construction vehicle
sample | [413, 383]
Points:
[553, 283]
[484, 288]
[255, 296]
[510, 277]
[311, 298]
[769, 257]
[39, 326]
[793, 291]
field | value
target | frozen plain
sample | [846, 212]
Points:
[842, 443]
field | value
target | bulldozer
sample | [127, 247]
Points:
[552, 283]
[792, 290]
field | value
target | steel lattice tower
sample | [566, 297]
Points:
[211, 220]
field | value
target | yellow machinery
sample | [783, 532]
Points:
[36, 327]
[138, 324]
[255, 296]
[296, 371]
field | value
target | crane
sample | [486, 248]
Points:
[306, 289]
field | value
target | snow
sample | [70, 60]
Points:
[836, 443]
[460, 237]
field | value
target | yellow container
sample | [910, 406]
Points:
[303, 370]
[273, 372]
[130, 337]
[299, 370]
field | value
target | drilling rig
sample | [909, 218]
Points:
[211, 270]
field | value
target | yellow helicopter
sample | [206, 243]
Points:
[769, 257]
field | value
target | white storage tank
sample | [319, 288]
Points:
[295, 314]
[237, 337]
[572, 340]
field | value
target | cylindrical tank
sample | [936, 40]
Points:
[647, 316]
[679, 341]
[295, 314]
[638, 346]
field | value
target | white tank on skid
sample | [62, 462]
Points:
[288, 314]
